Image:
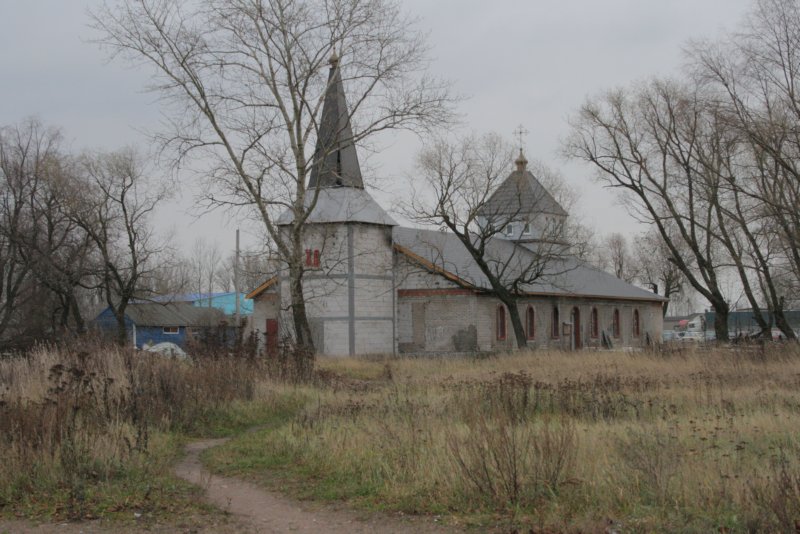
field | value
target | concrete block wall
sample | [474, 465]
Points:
[649, 320]
[430, 323]
[365, 276]
[445, 315]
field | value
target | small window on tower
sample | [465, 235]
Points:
[509, 229]
[526, 230]
[312, 258]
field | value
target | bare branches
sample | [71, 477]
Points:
[469, 189]
[112, 201]
[653, 142]
[245, 82]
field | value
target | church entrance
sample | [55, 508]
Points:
[576, 328]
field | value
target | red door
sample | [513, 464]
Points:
[272, 337]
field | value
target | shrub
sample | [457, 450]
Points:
[508, 463]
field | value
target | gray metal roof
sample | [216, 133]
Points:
[173, 314]
[335, 154]
[521, 193]
[342, 204]
[568, 277]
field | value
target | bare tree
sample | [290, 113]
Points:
[22, 152]
[171, 274]
[458, 180]
[614, 256]
[646, 142]
[753, 76]
[205, 262]
[112, 204]
[247, 80]
[59, 253]
[654, 267]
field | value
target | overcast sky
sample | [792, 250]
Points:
[527, 62]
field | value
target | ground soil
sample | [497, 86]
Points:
[251, 509]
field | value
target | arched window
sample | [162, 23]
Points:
[636, 323]
[501, 322]
[530, 323]
[555, 323]
[595, 324]
[616, 323]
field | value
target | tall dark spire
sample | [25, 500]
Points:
[335, 154]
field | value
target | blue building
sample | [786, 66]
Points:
[152, 323]
[221, 301]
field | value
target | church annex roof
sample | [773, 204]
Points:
[443, 252]
[341, 204]
[521, 193]
[335, 154]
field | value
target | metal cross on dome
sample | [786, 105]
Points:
[519, 133]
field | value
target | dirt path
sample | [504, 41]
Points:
[267, 512]
[254, 510]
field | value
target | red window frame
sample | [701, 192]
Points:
[312, 258]
[555, 319]
[530, 322]
[500, 322]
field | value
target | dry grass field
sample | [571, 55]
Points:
[692, 440]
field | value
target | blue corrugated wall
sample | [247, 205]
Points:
[227, 303]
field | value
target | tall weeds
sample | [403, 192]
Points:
[71, 418]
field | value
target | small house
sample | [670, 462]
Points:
[152, 322]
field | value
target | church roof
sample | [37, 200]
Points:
[335, 154]
[521, 193]
[341, 204]
[444, 253]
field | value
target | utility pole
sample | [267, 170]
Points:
[236, 282]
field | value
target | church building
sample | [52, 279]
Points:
[375, 287]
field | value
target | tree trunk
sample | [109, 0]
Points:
[299, 316]
[516, 323]
[721, 311]
[781, 322]
[122, 331]
[80, 324]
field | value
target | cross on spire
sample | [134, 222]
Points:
[519, 133]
